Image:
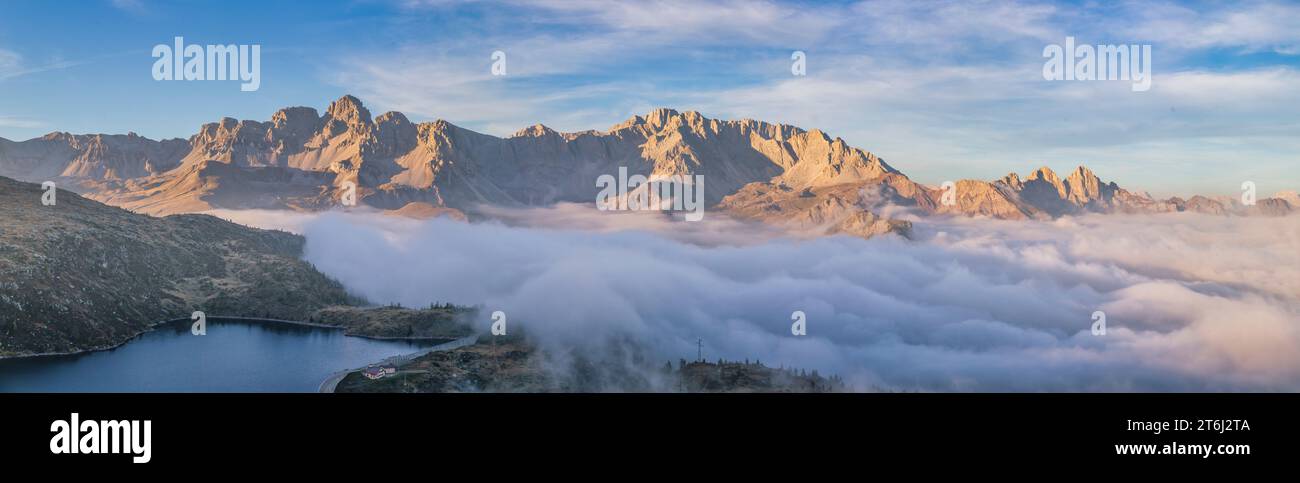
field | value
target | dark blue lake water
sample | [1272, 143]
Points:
[234, 356]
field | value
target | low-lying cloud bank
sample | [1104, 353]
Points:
[1193, 302]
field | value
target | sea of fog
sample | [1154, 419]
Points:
[1192, 302]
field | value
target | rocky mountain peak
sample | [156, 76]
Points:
[348, 110]
[660, 117]
[1291, 197]
[536, 130]
[392, 117]
[1013, 180]
[1083, 187]
[1082, 177]
[1045, 174]
[293, 116]
[394, 135]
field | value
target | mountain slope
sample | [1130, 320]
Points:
[81, 275]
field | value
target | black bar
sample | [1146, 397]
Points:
[292, 430]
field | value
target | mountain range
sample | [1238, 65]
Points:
[301, 159]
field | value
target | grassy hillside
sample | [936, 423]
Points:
[81, 275]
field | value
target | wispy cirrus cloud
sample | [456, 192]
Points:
[19, 122]
[458, 86]
[728, 21]
[1249, 27]
[949, 25]
[12, 64]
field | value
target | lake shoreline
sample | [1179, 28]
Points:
[154, 326]
[237, 355]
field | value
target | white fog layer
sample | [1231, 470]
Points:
[1192, 302]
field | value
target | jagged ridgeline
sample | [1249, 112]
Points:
[301, 159]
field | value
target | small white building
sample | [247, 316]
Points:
[374, 372]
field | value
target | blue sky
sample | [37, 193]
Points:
[942, 90]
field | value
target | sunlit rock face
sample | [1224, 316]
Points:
[775, 173]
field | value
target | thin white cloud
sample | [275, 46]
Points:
[460, 88]
[19, 122]
[12, 64]
[956, 25]
[734, 21]
[1251, 26]
[755, 22]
